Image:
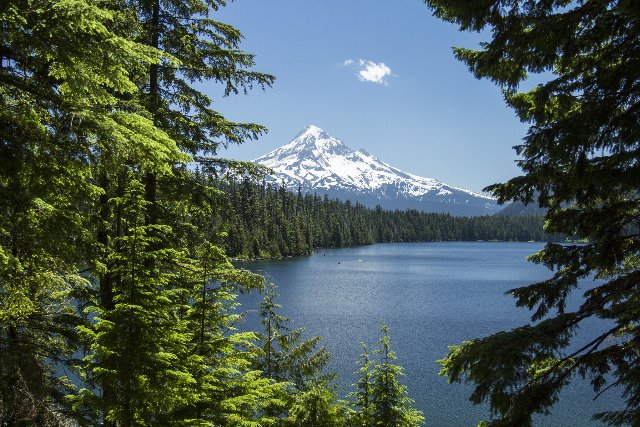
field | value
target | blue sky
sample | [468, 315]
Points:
[380, 75]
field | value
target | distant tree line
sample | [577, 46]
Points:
[267, 221]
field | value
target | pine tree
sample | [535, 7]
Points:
[78, 145]
[197, 48]
[99, 117]
[390, 405]
[316, 407]
[580, 162]
[286, 356]
[190, 47]
[363, 416]
[137, 346]
[58, 92]
[230, 390]
[274, 325]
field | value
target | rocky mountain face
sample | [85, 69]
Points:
[316, 162]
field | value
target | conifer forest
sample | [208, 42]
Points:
[266, 221]
[117, 301]
[120, 215]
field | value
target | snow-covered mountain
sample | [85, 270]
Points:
[317, 162]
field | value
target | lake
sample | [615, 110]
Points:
[431, 295]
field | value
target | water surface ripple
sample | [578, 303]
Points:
[431, 295]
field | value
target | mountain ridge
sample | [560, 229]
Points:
[315, 161]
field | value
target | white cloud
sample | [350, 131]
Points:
[369, 71]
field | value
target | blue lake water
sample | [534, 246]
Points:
[431, 295]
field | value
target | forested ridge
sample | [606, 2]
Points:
[267, 221]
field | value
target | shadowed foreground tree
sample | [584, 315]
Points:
[582, 156]
[58, 90]
[286, 354]
[108, 309]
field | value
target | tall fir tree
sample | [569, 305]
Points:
[298, 363]
[58, 91]
[92, 154]
[363, 397]
[231, 392]
[190, 47]
[316, 407]
[389, 402]
[286, 356]
[580, 162]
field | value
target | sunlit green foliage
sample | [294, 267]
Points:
[117, 302]
[296, 362]
[58, 92]
[362, 397]
[316, 407]
[88, 247]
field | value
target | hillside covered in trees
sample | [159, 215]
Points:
[264, 221]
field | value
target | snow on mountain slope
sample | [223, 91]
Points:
[320, 163]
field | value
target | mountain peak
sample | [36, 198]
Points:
[317, 161]
[312, 132]
[312, 129]
[312, 142]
